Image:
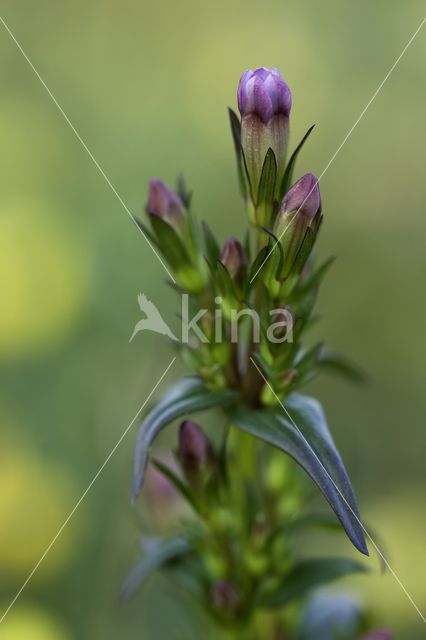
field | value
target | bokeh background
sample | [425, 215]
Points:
[146, 85]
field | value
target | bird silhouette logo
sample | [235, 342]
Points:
[153, 320]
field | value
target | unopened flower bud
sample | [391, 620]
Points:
[303, 197]
[195, 452]
[225, 597]
[299, 207]
[264, 101]
[163, 202]
[234, 258]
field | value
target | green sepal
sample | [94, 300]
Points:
[288, 173]
[147, 232]
[236, 136]
[304, 251]
[266, 189]
[211, 245]
[257, 264]
[177, 483]
[183, 193]
[170, 243]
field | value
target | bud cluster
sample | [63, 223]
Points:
[238, 554]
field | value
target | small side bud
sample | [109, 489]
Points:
[299, 207]
[164, 203]
[225, 598]
[234, 258]
[195, 453]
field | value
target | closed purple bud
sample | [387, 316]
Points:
[225, 597]
[163, 202]
[379, 634]
[195, 451]
[234, 258]
[263, 93]
[304, 197]
[264, 101]
[300, 205]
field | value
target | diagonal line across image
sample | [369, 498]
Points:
[345, 139]
[86, 148]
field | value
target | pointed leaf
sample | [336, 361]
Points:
[186, 397]
[170, 243]
[175, 481]
[183, 192]
[311, 445]
[236, 136]
[211, 245]
[307, 575]
[336, 363]
[266, 190]
[288, 173]
[331, 616]
[158, 554]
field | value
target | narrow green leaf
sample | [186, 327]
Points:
[336, 363]
[304, 251]
[147, 232]
[257, 263]
[307, 575]
[288, 173]
[224, 282]
[170, 243]
[188, 396]
[158, 553]
[178, 484]
[236, 136]
[210, 243]
[183, 192]
[266, 189]
[311, 445]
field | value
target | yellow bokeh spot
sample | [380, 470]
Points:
[31, 623]
[43, 277]
[35, 498]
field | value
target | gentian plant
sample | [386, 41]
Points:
[248, 307]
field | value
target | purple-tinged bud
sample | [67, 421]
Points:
[300, 207]
[234, 258]
[303, 197]
[264, 93]
[379, 634]
[195, 452]
[264, 101]
[163, 202]
[225, 597]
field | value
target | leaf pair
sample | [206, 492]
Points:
[298, 428]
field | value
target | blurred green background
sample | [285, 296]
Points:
[146, 84]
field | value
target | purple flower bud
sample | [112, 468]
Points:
[263, 93]
[304, 197]
[264, 101]
[299, 207]
[234, 258]
[163, 202]
[225, 597]
[379, 634]
[195, 451]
